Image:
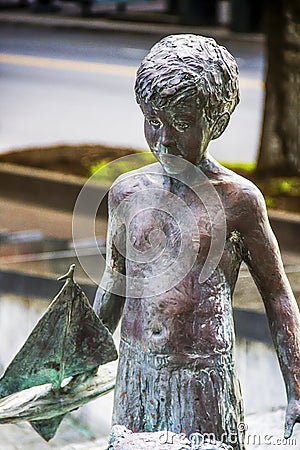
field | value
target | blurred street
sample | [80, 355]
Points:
[76, 86]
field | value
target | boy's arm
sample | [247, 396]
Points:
[110, 296]
[264, 261]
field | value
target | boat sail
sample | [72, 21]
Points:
[68, 340]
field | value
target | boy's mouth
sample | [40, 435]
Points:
[171, 163]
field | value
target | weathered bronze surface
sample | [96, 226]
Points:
[176, 366]
[67, 341]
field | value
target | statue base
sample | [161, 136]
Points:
[123, 439]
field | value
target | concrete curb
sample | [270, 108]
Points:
[124, 26]
[52, 190]
[250, 325]
[36, 286]
[286, 227]
[46, 189]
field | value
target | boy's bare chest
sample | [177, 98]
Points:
[161, 217]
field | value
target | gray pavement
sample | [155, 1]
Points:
[70, 436]
[65, 78]
[263, 431]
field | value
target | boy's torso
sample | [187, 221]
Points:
[186, 264]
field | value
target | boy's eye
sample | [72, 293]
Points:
[181, 125]
[154, 122]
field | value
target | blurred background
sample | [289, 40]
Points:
[67, 72]
[76, 85]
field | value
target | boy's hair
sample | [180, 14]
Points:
[187, 65]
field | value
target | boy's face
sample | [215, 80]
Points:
[180, 129]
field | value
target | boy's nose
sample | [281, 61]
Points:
[166, 138]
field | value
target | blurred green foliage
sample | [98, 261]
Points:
[239, 166]
[277, 190]
[107, 171]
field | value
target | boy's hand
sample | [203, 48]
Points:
[292, 416]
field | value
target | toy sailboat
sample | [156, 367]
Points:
[67, 341]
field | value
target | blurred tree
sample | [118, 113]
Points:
[173, 7]
[280, 141]
[194, 12]
[247, 15]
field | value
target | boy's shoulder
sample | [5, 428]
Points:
[239, 191]
[239, 182]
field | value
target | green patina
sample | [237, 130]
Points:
[67, 341]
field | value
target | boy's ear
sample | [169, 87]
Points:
[220, 125]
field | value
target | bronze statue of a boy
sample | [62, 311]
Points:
[176, 367]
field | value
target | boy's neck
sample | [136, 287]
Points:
[193, 174]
